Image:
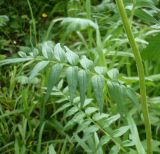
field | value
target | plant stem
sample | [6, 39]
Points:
[90, 31]
[33, 22]
[140, 70]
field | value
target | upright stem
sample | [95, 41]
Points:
[33, 22]
[140, 70]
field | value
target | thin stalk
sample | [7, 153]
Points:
[101, 59]
[33, 22]
[140, 70]
[90, 31]
[50, 27]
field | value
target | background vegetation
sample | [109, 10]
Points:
[68, 77]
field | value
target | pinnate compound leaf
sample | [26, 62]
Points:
[152, 51]
[37, 68]
[71, 74]
[98, 85]
[83, 80]
[72, 57]
[59, 53]
[53, 78]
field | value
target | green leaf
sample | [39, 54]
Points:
[57, 125]
[47, 49]
[71, 74]
[101, 70]
[120, 131]
[113, 74]
[86, 63]
[82, 143]
[85, 125]
[3, 20]
[98, 150]
[11, 113]
[135, 135]
[83, 80]
[59, 53]
[16, 146]
[91, 129]
[14, 60]
[98, 85]
[22, 54]
[37, 68]
[131, 95]
[72, 58]
[75, 24]
[99, 116]
[51, 149]
[145, 3]
[145, 16]
[39, 144]
[22, 79]
[118, 95]
[53, 78]
[62, 108]
[114, 150]
[104, 140]
[76, 119]
[152, 51]
[112, 119]
[35, 80]
[71, 111]
[90, 110]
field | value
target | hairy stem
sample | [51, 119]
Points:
[140, 70]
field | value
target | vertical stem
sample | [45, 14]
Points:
[140, 70]
[33, 22]
[90, 31]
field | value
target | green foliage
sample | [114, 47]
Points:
[154, 47]
[83, 84]
[98, 86]
[77, 93]
[3, 20]
[54, 75]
